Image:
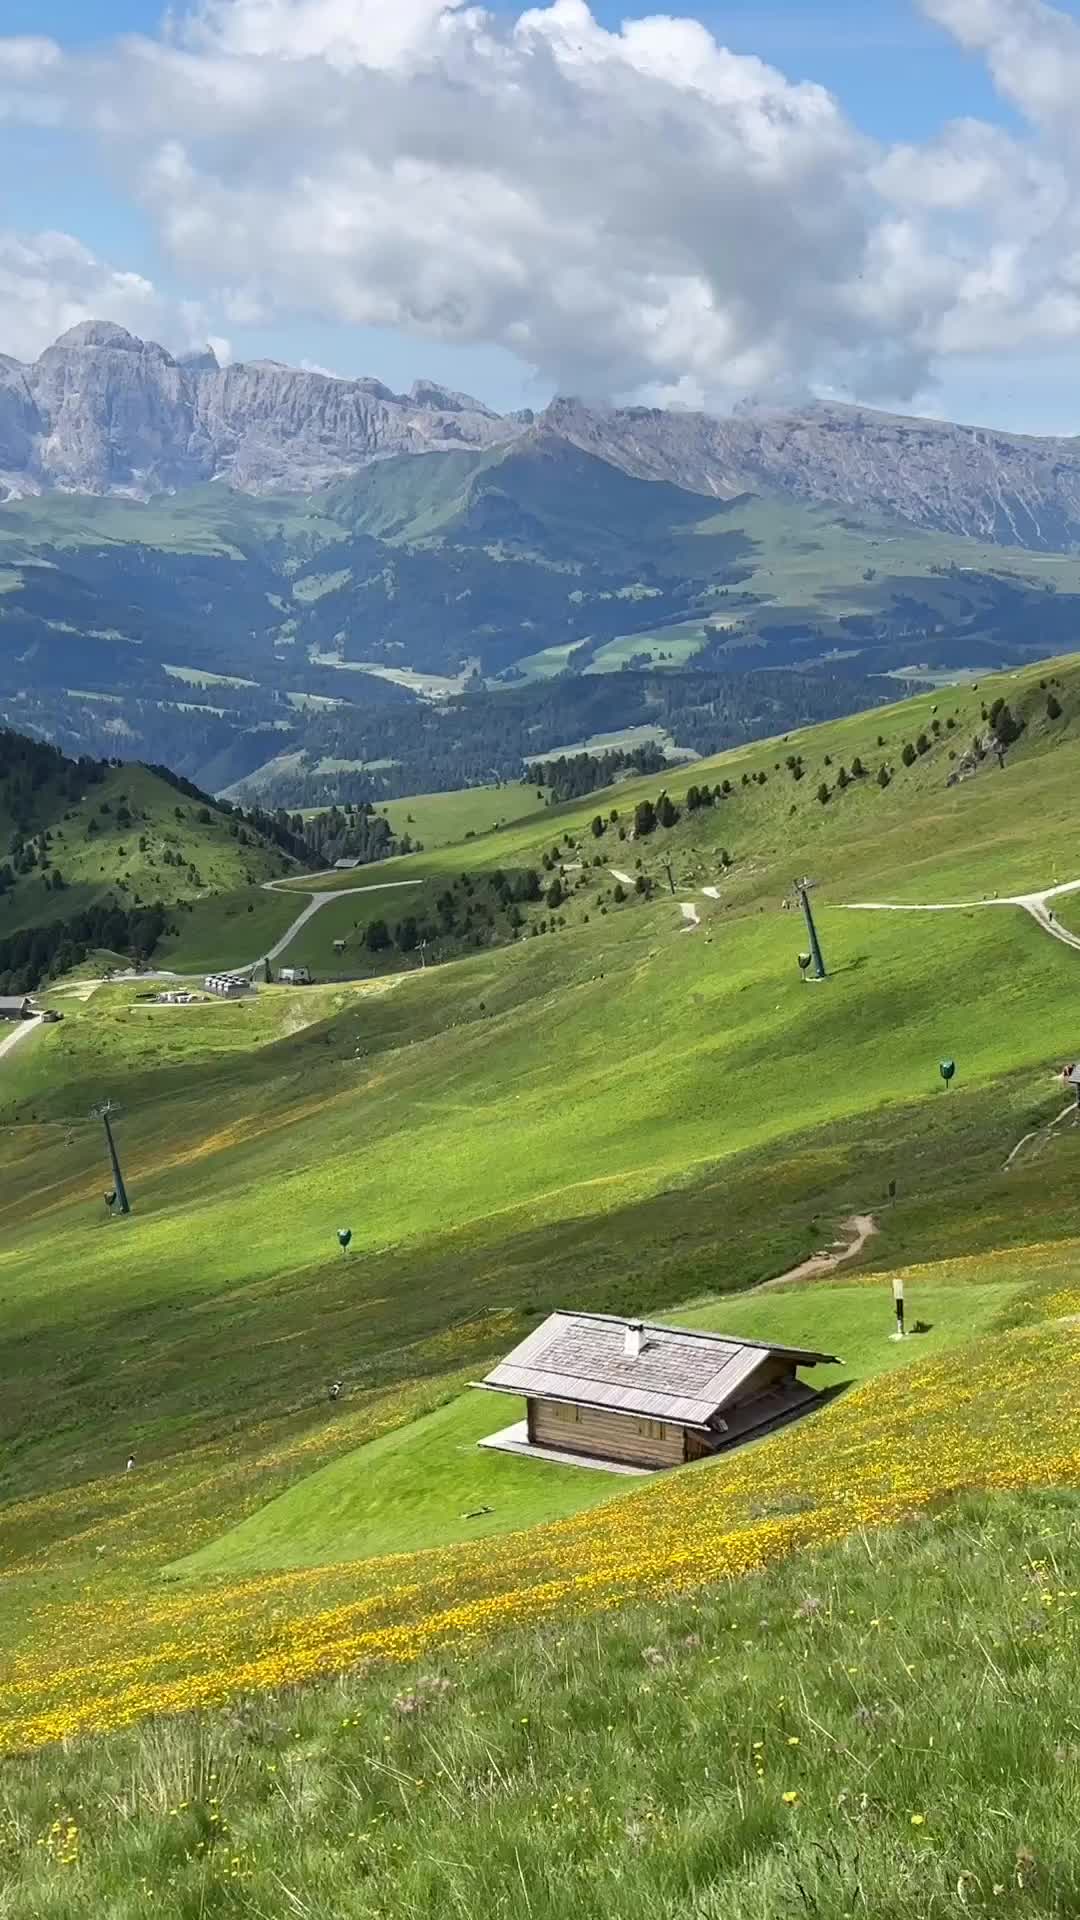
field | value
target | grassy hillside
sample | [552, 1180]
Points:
[134, 836]
[628, 1113]
[429, 1484]
[229, 928]
[906, 838]
[440, 819]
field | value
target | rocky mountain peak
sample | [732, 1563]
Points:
[102, 411]
[425, 393]
[98, 333]
[199, 360]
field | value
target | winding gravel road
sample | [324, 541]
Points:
[11, 1040]
[1033, 903]
[315, 901]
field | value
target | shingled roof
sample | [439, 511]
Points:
[679, 1376]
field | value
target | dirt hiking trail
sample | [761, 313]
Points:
[854, 1234]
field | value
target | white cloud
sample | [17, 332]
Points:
[615, 208]
[628, 210]
[344, 33]
[1031, 49]
[50, 281]
[27, 65]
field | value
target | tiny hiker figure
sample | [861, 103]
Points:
[335, 1390]
[130, 1463]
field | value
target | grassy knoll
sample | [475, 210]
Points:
[618, 1115]
[886, 1726]
[134, 836]
[416, 1487]
[667, 646]
[470, 1125]
[226, 929]
[439, 819]
[120, 1032]
[969, 1418]
[855, 1318]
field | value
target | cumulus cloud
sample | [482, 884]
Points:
[27, 66]
[50, 281]
[1032, 51]
[616, 208]
[634, 209]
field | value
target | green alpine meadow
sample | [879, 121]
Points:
[278, 1634]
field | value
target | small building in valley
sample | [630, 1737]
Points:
[228, 986]
[16, 1006]
[295, 976]
[630, 1394]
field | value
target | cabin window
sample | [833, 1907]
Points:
[572, 1415]
[652, 1429]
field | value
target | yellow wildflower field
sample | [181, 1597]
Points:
[1003, 1413]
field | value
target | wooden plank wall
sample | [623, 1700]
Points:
[608, 1436]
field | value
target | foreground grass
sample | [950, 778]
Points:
[886, 1727]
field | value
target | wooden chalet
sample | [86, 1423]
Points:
[638, 1395]
[16, 1006]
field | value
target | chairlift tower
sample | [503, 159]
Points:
[103, 1114]
[802, 894]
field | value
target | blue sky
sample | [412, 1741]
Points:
[896, 77]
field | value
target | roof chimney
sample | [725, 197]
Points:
[633, 1339]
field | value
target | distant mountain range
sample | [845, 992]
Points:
[102, 412]
[320, 587]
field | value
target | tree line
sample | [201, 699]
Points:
[573, 775]
[35, 954]
[34, 775]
